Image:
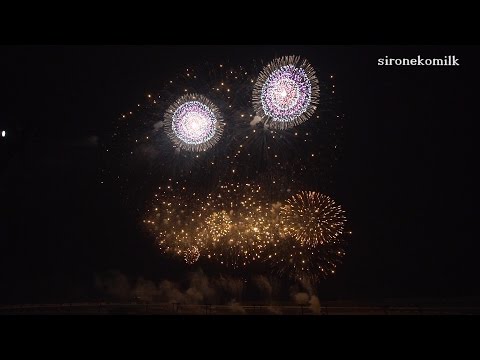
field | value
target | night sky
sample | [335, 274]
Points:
[404, 174]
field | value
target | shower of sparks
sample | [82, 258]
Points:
[286, 92]
[303, 262]
[171, 219]
[236, 226]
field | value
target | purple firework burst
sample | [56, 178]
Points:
[286, 92]
[194, 123]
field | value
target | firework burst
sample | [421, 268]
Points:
[191, 255]
[312, 218]
[193, 123]
[312, 245]
[238, 226]
[228, 206]
[138, 154]
[286, 92]
[217, 225]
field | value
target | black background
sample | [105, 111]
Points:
[405, 175]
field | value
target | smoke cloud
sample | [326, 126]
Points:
[256, 119]
[264, 286]
[198, 289]
[315, 305]
[305, 296]
[114, 284]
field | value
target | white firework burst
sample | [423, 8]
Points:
[286, 92]
[194, 123]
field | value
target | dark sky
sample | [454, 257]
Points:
[405, 174]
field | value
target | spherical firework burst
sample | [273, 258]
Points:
[286, 92]
[312, 218]
[217, 225]
[191, 255]
[194, 123]
[138, 155]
